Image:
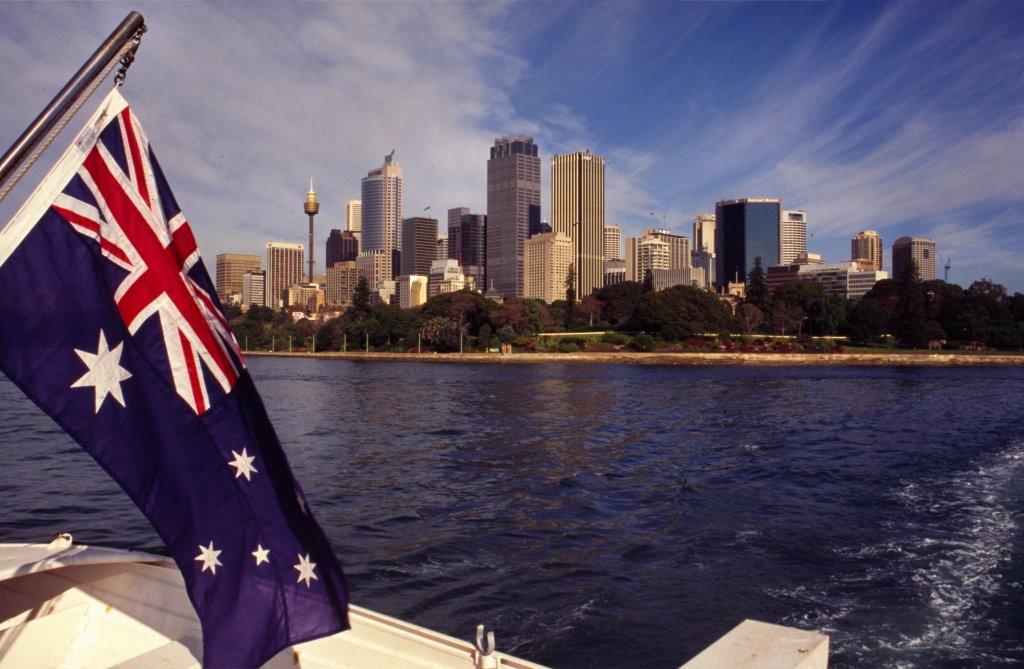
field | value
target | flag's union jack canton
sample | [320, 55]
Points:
[109, 322]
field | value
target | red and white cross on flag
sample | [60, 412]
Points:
[123, 203]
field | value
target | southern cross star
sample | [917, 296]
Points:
[305, 569]
[208, 557]
[261, 554]
[105, 372]
[243, 464]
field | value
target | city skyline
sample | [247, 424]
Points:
[903, 118]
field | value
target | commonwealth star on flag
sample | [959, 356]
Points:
[109, 322]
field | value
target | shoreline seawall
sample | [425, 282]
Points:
[695, 358]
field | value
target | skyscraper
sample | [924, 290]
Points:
[341, 247]
[921, 251]
[704, 233]
[678, 247]
[467, 243]
[644, 254]
[867, 246]
[513, 210]
[382, 209]
[455, 214]
[284, 269]
[354, 219]
[230, 269]
[612, 243]
[342, 278]
[547, 258]
[792, 236]
[419, 245]
[254, 289]
[703, 253]
[577, 211]
[745, 229]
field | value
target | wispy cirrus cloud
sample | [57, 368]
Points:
[896, 116]
[905, 125]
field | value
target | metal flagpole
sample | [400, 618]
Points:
[118, 44]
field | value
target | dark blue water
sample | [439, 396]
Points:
[627, 516]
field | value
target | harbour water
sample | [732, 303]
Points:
[627, 516]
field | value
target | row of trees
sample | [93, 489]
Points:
[916, 313]
[466, 320]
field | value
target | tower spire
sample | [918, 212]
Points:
[312, 208]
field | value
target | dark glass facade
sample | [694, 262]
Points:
[419, 245]
[746, 229]
[342, 246]
[467, 243]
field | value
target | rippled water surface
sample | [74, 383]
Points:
[627, 516]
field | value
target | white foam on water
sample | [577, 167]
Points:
[952, 546]
[968, 555]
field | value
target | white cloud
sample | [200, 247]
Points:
[912, 121]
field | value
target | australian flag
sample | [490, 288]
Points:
[109, 322]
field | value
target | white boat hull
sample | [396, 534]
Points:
[85, 607]
[93, 607]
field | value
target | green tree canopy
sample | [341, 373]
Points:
[909, 321]
[467, 308]
[681, 312]
[619, 304]
[757, 286]
[360, 309]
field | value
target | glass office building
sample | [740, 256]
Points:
[745, 229]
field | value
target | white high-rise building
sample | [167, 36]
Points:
[446, 277]
[254, 289]
[792, 236]
[645, 253]
[678, 247]
[612, 243]
[354, 219]
[284, 269]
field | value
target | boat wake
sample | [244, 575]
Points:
[929, 593]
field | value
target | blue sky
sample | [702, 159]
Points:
[903, 117]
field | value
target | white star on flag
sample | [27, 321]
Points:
[261, 554]
[208, 557]
[305, 569]
[243, 464]
[105, 372]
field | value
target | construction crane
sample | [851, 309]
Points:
[949, 263]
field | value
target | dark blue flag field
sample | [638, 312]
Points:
[109, 322]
